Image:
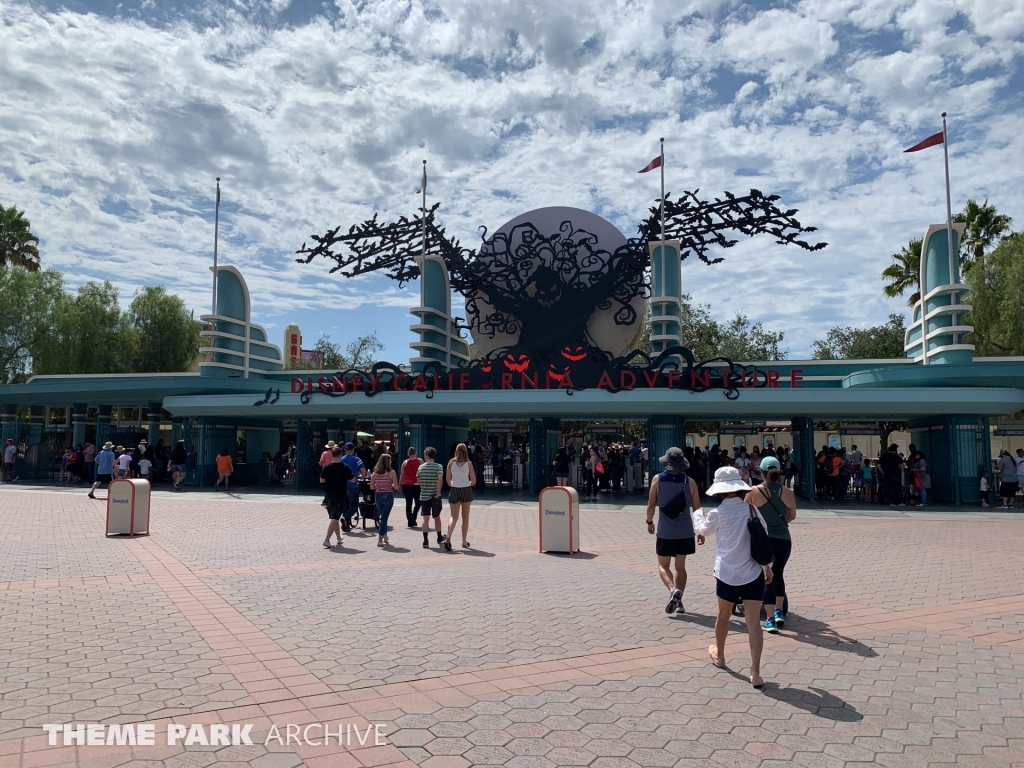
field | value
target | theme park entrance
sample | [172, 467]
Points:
[556, 303]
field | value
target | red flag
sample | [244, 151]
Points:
[655, 163]
[931, 141]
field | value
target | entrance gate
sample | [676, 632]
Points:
[203, 442]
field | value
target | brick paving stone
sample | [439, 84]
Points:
[904, 651]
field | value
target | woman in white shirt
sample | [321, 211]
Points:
[738, 576]
[461, 479]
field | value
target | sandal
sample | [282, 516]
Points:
[759, 685]
[448, 545]
[465, 545]
[713, 653]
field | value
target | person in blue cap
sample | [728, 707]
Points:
[777, 505]
[355, 464]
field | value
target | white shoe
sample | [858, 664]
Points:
[327, 544]
[674, 602]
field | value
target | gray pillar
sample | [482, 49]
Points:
[78, 424]
[154, 422]
[36, 424]
[663, 432]
[803, 456]
[103, 426]
[544, 438]
[9, 424]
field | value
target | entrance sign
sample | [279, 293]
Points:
[128, 507]
[569, 372]
[558, 508]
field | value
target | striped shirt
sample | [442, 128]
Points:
[429, 476]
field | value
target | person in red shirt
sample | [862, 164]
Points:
[411, 488]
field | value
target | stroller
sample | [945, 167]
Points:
[367, 508]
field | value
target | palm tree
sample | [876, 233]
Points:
[985, 228]
[904, 273]
[18, 246]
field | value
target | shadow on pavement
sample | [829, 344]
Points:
[474, 552]
[816, 701]
[821, 635]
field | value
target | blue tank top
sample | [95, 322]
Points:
[670, 486]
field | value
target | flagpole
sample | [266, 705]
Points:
[424, 209]
[949, 207]
[662, 198]
[216, 232]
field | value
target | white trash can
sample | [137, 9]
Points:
[128, 507]
[558, 507]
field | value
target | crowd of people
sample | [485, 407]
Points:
[147, 462]
[745, 574]
[421, 482]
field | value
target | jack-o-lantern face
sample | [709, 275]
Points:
[485, 367]
[574, 354]
[557, 375]
[516, 365]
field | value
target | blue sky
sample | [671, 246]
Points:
[115, 117]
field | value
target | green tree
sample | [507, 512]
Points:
[904, 274]
[18, 246]
[985, 228]
[997, 298]
[707, 338]
[168, 335]
[90, 334]
[360, 353]
[876, 343]
[27, 304]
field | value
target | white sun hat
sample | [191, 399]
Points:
[727, 480]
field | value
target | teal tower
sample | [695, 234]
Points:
[236, 348]
[666, 328]
[937, 329]
[438, 339]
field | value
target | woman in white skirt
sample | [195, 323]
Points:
[738, 576]
[461, 479]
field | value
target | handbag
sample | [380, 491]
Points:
[599, 468]
[760, 545]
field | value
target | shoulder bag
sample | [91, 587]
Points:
[760, 545]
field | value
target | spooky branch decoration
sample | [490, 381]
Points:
[546, 287]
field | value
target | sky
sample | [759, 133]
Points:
[116, 117]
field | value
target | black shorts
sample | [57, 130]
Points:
[1008, 490]
[752, 591]
[674, 547]
[431, 507]
[103, 479]
[336, 508]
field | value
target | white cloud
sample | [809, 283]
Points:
[112, 129]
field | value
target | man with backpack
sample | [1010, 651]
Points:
[674, 493]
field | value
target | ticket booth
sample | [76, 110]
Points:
[558, 508]
[128, 507]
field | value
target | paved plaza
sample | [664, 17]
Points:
[904, 645]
